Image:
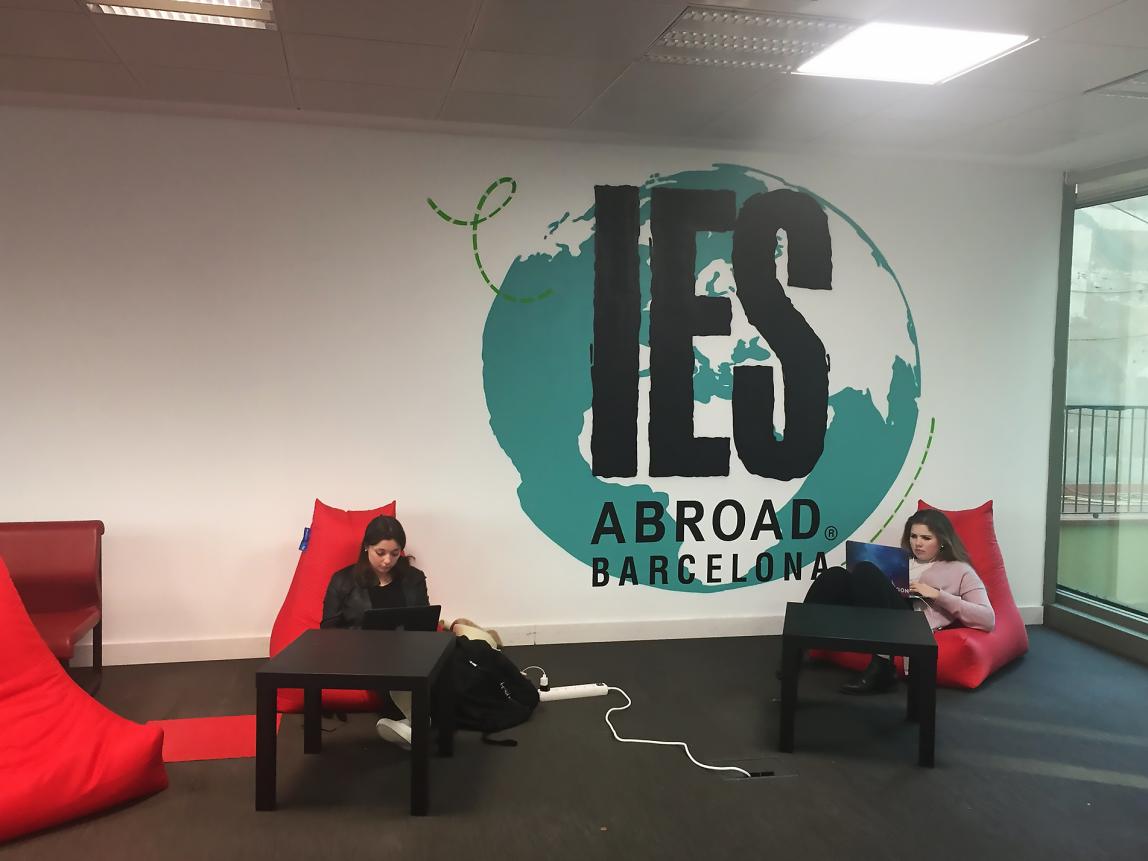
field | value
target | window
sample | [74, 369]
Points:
[1103, 546]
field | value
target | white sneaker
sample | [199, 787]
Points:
[395, 731]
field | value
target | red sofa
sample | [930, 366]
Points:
[63, 754]
[56, 566]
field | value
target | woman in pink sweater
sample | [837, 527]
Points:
[942, 582]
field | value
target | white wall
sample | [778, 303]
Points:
[205, 324]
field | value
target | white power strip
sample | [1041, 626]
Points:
[570, 692]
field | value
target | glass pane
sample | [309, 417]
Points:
[1104, 510]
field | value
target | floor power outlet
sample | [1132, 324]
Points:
[571, 692]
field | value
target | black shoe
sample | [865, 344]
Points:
[878, 677]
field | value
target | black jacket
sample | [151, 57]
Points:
[347, 599]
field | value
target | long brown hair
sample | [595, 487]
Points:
[381, 528]
[951, 549]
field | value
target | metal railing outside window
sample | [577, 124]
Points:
[1105, 460]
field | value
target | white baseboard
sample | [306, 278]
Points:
[175, 651]
[1032, 615]
[235, 648]
[651, 629]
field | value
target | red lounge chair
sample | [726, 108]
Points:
[56, 568]
[62, 754]
[333, 543]
[966, 656]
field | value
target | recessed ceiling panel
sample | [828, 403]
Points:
[1125, 24]
[509, 109]
[535, 75]
[1005, 139]
[201, 85]
[344, 98]
[857, 10]
[1101, 151]
[799, 109]
[1032, 17]
[49, 5]
[660, 99]
[420, 22]
[605, 29]
[1057, 67]
[31, 33]
[331, 58]
[75, 77]
[1085, 116]
[148, 42]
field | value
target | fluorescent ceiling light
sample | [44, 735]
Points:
[910, 54]
[740, 39]
[255, 14]
[1134, 86]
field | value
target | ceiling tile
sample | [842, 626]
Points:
[952, 109]
[1007, 139]
[798, 108]
[422, 22]
[203, 85]
[1126, 24]
[509, 109]
[140, 41]
[885, 132]
[662, 98]
[534, 75]
[855, 10]
[1059, 123]
[1101, 151]
[32, 33]
[605, 29]
[50, 5]
[345, 98]
[1085, 115]
[75, 77]
[1066, 68]
[1030, 17]
[332, 58]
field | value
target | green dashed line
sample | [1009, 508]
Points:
[913, 482]
[478, 218]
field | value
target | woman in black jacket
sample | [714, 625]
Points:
[382, 577]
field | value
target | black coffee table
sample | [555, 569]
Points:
[862, 629]
[382, 661]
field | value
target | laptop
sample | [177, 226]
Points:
[402, 618]
[893, 562]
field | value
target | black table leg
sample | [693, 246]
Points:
[912, 706]
[928, 708]
[444, 700]
[265, 742]
[790, 667]
[420, 749]
[312, 720]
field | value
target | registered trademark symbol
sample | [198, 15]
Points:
[831, 532]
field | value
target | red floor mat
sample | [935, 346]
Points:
[188, 739]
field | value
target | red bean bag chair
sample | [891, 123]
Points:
[966, 656]
[62, 754]
[332, 543]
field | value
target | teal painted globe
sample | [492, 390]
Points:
[536, 377]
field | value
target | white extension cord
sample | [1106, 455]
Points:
[547, 694]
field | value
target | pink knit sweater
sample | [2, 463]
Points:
[963, 599]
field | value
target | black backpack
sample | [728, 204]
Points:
[491, 694]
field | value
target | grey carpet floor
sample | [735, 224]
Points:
[1048, 760]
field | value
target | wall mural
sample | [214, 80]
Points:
[705, 382]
